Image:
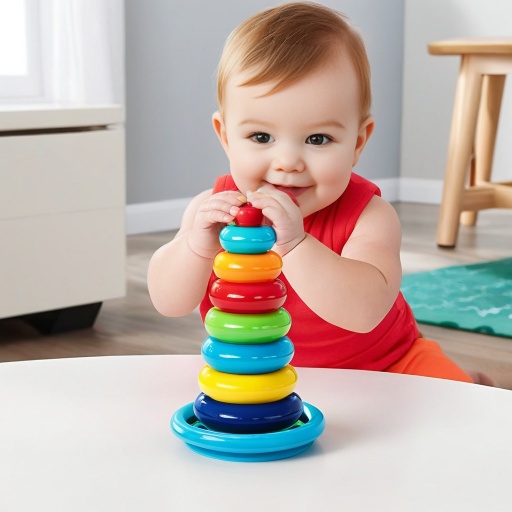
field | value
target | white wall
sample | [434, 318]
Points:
[429, 82]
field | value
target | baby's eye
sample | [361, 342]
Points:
[318, 139]
[262, 138]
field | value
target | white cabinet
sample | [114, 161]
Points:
[62, 212]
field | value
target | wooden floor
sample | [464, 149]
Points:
[130, 325]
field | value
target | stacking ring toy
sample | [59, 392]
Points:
[247, 389]
[253, 298]
[247, 240]
[245, 328]
[248, 419]
[247, 268]
[247, 410]
[247, 359]
[248, 447]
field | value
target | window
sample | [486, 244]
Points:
[20, 51]
[61, 51]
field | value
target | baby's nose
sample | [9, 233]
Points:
[288, 160]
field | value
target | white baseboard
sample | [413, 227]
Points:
[416, 190]
[153, 217]
[166, 215]
[389, 188]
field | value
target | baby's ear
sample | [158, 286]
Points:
[365, 132]
[220, 130]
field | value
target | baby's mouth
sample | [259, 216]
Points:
[292, 192]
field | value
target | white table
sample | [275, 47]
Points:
[93, 434]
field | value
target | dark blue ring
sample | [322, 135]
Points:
[248, 418]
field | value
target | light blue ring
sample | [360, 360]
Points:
[246, 359]
[247, 240]
[248, 447]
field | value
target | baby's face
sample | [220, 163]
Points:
[303, 139]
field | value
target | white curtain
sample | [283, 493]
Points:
[85, 59]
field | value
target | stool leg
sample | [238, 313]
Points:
[467, 99]
[485, 138]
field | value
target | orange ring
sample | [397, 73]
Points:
[247, 268]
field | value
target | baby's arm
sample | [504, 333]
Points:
[179, 271]
[356, 289]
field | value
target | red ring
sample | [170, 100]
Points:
[259, 297]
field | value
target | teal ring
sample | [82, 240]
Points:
[247, 240]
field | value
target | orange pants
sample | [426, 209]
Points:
[426, 358]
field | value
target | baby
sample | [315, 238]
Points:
[294, 116]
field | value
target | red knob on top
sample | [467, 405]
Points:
[248, 216]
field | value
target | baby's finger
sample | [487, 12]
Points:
[271, 201]
[217, 209]
[224, 202]
[272, 209]
[233, 197]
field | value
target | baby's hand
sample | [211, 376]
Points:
[284, 215]
[213, 213]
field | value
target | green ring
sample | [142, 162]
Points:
[247, 328]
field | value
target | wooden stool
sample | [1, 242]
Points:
[467, 184]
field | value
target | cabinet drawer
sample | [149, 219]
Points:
[49, 173]
[56, 261]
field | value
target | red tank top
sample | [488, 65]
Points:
[317, 342]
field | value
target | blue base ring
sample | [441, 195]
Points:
[248, 447]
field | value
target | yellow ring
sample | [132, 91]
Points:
[247, 389]
[247, 268]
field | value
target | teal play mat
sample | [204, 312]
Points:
[474, 297]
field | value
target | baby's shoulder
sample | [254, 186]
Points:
[379, 214]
